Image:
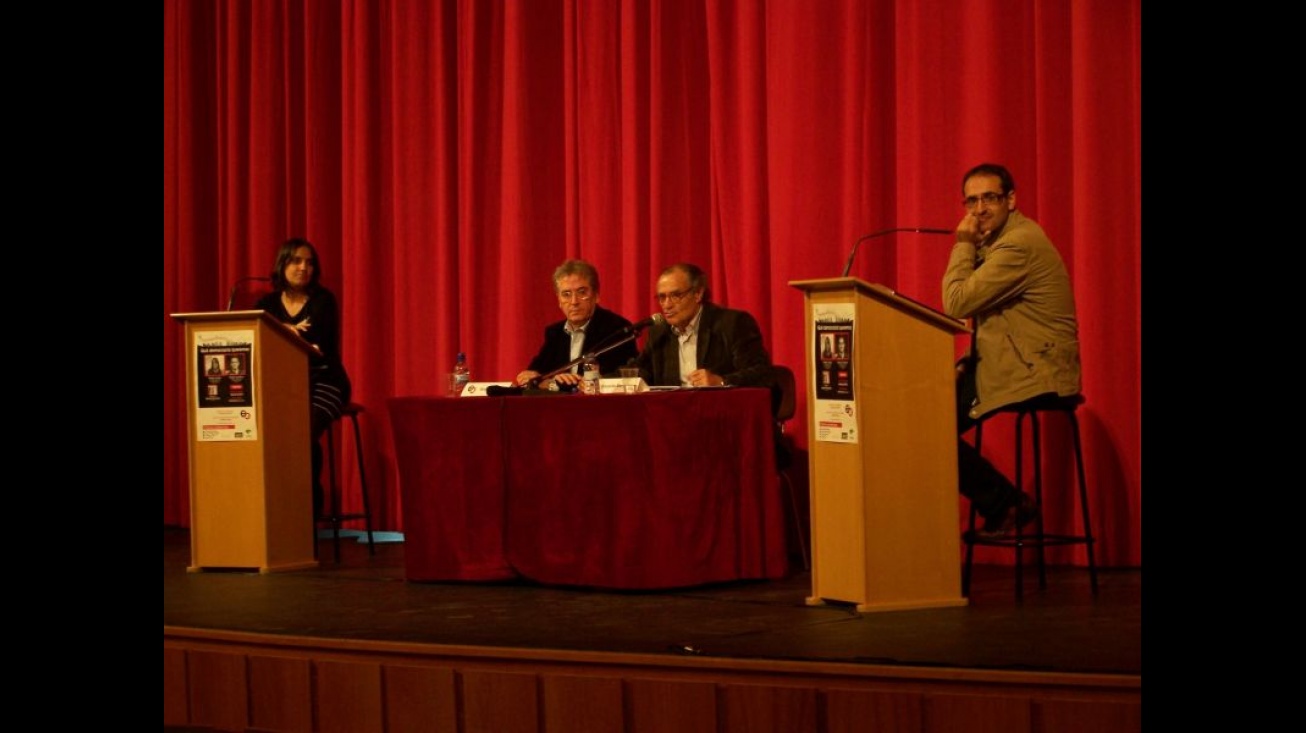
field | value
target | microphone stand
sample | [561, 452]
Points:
[919, 230]
[534, 383]
[231, 299]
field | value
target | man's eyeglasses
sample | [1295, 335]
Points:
[988, 199]
[675, 297]
[581, 294]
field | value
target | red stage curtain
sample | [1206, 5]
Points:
[446, 156]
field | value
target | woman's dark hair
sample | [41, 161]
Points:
[284, 254]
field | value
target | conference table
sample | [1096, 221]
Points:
[618, 491]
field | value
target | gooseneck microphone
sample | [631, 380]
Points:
[641, 325]
[614, 339]
[231, 299]
[919, 230]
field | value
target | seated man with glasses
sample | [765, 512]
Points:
[586, 328]
[1006, 274]
[701, 344]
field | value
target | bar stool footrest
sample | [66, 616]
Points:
[1047, 540]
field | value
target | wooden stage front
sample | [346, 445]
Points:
[355, 647]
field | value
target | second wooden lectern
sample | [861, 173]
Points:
[251, 498]
[884, 506]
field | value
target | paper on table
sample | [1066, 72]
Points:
[617, 385]
[478, 389]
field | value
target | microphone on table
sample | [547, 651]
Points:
[641, 325]
[919, 230]
[627, 333]
[231, 299]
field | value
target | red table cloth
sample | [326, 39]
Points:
[647, 491]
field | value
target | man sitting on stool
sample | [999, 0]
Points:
[1005, 273]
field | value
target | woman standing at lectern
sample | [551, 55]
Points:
[300, 302]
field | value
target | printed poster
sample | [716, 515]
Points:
[836, 405]
[225, 393]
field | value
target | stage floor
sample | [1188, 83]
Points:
[1063, 628]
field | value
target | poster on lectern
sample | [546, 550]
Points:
[836, 405]
[225, 393]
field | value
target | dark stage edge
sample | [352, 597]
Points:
[1062, 628]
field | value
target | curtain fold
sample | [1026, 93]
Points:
[446, 155]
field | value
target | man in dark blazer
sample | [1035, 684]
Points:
[699, 343]
[586, 328]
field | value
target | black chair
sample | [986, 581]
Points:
[1039, 538]
[334, 516]
[786, 404]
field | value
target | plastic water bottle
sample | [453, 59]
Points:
[462, 374]
[589, 372]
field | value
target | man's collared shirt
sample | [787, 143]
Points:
[688, 347]
[577, 342]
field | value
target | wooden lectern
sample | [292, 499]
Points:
[247, 397]
[884, 509]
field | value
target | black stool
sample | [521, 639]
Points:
[336, 517]
[1038, 539]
